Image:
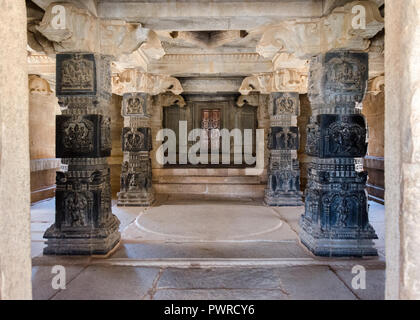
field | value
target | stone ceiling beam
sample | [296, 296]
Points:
[208, 16]
[240, 64]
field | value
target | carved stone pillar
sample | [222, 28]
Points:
[283, 186]
[136, 173]
[335, 222]
[84, 223]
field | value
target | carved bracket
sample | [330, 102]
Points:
[136, 81]
[72, 29]
[341, 29]
[285, 80]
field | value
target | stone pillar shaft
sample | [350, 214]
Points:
[84, 223]
[283, 188]
[15, 236]
[335, 222]
[136, 174]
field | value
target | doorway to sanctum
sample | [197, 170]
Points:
[216, 115]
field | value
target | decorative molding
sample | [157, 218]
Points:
[308, 37]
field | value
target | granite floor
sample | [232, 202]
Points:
[269, 263]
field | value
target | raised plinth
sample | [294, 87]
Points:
[336, 242]
[135, 199]
[82, 240]
[283, 199]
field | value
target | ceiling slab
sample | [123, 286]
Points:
[208, 16]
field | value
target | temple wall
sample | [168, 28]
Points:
[43, 106]
[116, 159]
[374, 111]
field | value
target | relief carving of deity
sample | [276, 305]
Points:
[76, 209]
[78, 135]
[135, 105]
[347, 138]
[285, 105]
[77, 74]
[345, 76]
[286, 139]
[133, 140]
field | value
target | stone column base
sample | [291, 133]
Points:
[135, 199]
[358, 243]
[82, 240]
[283, 199]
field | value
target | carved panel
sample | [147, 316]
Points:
[76, 74]
[283, 138]
[337, 136]
[82, 136]
[135, 104]
[136, 139]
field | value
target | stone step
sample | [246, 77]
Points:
[212, 190]
[207, 180]
[201, 172]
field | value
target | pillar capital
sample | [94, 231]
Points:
[284, 80]
[74, 29]
[133, 80]
[307, 37]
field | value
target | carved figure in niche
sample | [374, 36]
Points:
[286, 139]
[347, 138]
[291, 137]
[285, 105]
[133, 140]
[345, 76]
[76, 206]
[78, 135]
[342, 213]
[77, 74]
[133, 182]
[135, 105]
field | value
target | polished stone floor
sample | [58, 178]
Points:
[192, 249]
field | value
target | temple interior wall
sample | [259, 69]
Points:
[43, 107]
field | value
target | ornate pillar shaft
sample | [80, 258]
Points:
[84, 223]
[136, 173]
[335, 222]
[283, 187]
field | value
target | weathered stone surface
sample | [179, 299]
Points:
[402, 136]
[15, 263]
[333, 31]
[116, 283]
